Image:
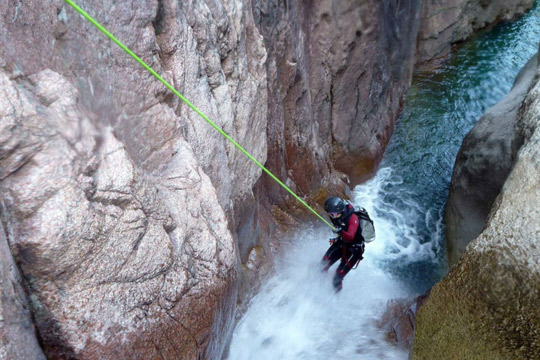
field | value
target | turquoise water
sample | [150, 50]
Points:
[439, 110]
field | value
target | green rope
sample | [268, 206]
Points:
[143, 64]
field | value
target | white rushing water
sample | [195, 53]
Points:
[297, 315]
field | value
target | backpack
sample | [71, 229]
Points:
[368, 228]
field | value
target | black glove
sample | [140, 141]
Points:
[337, 230]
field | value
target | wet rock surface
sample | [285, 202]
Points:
[338, 71]
[399, 320]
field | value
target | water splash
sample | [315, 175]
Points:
[396, 219]
[297, 315]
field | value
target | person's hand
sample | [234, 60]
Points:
[337, 240]
[337, 230]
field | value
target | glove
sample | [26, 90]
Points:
[337, 230]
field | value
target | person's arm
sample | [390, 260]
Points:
[348, 235]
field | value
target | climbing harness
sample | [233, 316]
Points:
[170, 87]
[344, 258]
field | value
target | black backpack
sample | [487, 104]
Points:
[368, 228]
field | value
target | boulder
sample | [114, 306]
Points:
[399, 320]
[483, 162]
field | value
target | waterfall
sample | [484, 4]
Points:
[297, 315]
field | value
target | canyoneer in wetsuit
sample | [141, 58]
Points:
[348, 245]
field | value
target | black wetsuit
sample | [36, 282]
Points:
[348, 247]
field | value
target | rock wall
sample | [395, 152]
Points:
[114, 196]
[447, 22]
[128, 216]
[487, 306]
[110, 259]
[337, 74]
[483, 162]
[17, 333]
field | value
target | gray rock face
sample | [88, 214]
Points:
[482, 165]
[487, 306]
[213, 54]
[114, 193]
[17, 333]
[446, 22]
[112, 261]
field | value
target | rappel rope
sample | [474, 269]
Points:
[170, 87]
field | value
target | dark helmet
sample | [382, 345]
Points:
[334, 205]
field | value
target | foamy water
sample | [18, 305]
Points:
[297, 315]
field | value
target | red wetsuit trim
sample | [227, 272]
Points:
[348, 235]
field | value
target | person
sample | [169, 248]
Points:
[348, 245]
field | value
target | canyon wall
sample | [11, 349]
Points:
[128, 217]
[114, 195]
[17, 333]
[337, 74]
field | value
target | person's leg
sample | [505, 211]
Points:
[352, 255]
[332, 255]
[338, 279]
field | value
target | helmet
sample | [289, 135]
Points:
[334, 206]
